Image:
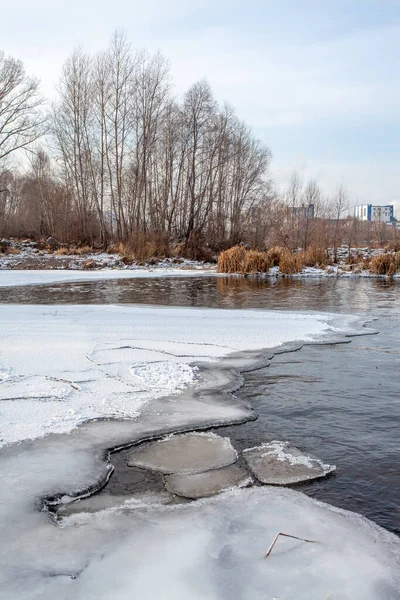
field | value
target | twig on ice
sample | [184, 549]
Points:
[289, 536]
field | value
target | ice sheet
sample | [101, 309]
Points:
[61, 365]
[13, 277]
[210, 549]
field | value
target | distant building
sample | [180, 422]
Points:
[368, 212]
[303, 211]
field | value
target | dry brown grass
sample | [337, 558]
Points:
[289, 263]
[240, 260]
[82, 250]
[313, 257]
[61, 251]
[393, 246]
[13, 251]
[255, 262]
[231, 261]
[274, 255]
[385, 264]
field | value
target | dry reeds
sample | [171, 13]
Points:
[289, 263]
[274, 255]
[256, 262]
[231, 261]
[314, 256]
[240, 260]
[61, 251]
[294, 537]
[385, 264]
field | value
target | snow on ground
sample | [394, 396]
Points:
[60, 365]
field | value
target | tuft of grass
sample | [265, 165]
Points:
[385, 264]
[256, 262]
[231, 261]
[61, 251]
[289, 263]
[274, 255]
[314, 256]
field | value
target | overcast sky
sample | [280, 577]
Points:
[318, 80]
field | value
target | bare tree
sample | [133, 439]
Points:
[21, 121]
[339, 205]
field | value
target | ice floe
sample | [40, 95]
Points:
[281, 463]
[185, 454]
[209, 483]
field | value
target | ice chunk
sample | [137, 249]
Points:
[189, 453]
[210, 483]
[280, 463]
[101, 502]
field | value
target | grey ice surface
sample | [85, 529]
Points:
[101, 502]
[210, 483]
[280, 463]
[189, 453]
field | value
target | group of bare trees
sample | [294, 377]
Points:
[147, 165]
[123, 160]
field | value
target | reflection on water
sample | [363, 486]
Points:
[341, 403]
[219, 292]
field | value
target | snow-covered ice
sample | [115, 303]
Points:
[61, 365]
[188, 453]
[280, 463]
[15, 277]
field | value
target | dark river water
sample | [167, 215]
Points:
[341, 403]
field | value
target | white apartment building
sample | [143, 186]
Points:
[369, 212]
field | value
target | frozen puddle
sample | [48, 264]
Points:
[185, 454]
[210, 483]
[280, 463]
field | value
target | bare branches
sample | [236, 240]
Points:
[21, 122]
[148, 166]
